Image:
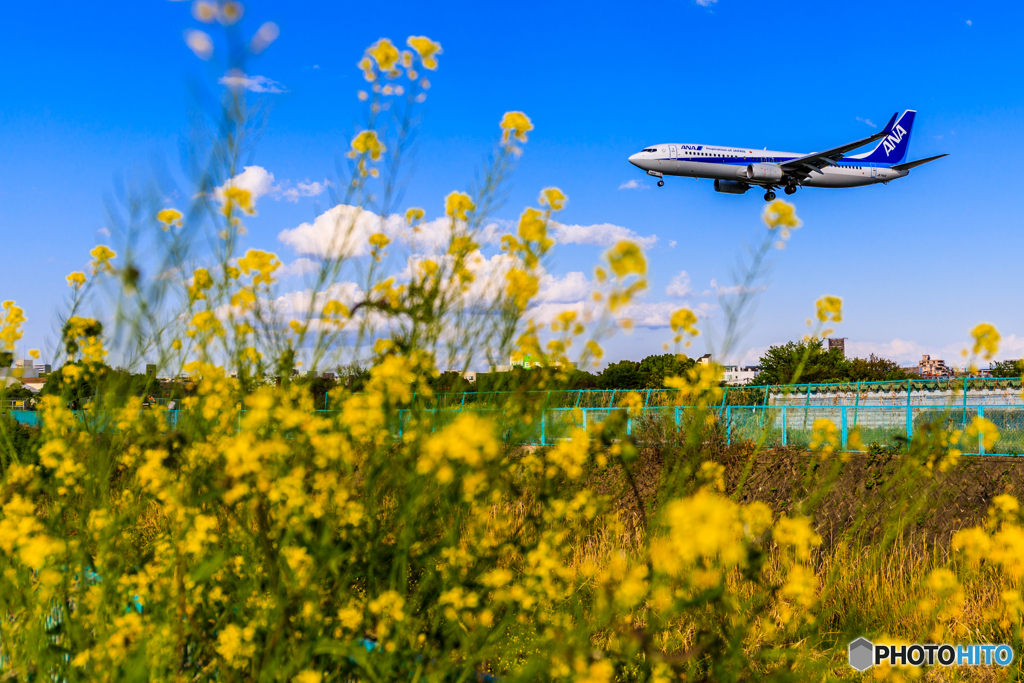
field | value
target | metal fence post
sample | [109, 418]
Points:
[843, 412]
[728, 425]
[783, 425]
[543, 414]
[584, 419]
[910, 416]
[981, 441]
[677, 415]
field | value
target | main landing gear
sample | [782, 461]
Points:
[790, 189]
[769, 196]
[661, 183]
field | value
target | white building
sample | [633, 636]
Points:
[734, 375]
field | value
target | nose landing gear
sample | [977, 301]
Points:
[661, 183]
[769, 196]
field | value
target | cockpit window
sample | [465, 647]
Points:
[651, 149]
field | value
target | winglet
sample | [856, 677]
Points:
[914, 164]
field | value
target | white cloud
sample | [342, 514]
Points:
[306, 189]
[260, 84]
[256, 179]
[601, 235]
[679, 286]
[103, 231]
[634, 185]
[728, 290]
[572, 287]
[341, 230]
[672, 244]
[299, 266]
[969, 23]
[706, 3]
[867, 121]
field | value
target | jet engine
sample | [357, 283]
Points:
[731, 186]
[764, 172]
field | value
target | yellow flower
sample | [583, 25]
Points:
[980, 427]
[553, 197]
[824, 436]
[76, 279]
[308, 676]
[169, 217]
[205, 322]
[533, 227]
[830, 308]
[627, 257]
[986, 338]
[780, 214]
[426, 49]
[11, 331]
[33, 353]
[201, 281]
[240, 197]
[101, 258]
[458, 205]
[176, 344]
[261, 263]
[384, 53]
[684, 320]
[796, 533]
[367, 143]
[379, 240]
[515, 124]
[521, 287]
[414, 215]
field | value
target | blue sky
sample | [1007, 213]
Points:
[97, 92]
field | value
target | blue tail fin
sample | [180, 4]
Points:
[894, 147]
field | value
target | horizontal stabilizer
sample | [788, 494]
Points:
[913, 164]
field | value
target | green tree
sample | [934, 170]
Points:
[1007, 368]
[622, 375]
[802, 362]
[875, 369]
[654, 369]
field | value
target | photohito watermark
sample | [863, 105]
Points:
[864, 654]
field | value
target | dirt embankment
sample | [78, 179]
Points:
[867, 493]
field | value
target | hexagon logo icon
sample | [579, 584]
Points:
[861, 654]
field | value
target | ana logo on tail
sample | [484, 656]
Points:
[893, 139]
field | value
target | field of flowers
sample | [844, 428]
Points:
[259, 539]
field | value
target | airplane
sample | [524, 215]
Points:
[736, 169]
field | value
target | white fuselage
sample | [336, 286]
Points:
[730, 163]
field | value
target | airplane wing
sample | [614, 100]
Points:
[804, 166]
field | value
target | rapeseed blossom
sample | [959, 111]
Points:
[986, 338]
[515, 125]
[426, 49]
[102, 256]
[458, 205]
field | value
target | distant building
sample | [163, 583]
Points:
[705, 359]
[526, 362]
[43, 369]
[734, 375]
[469, 376]
[837, 343]
[25, 368]
[929, 367]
